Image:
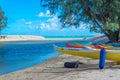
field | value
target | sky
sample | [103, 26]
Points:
[26, 17]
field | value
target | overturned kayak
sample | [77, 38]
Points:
[89, 52]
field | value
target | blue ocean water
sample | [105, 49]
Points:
[87, 36]
[19, 55]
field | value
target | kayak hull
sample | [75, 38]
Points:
[111, 54]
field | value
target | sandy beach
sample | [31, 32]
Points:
[21, 37]
[7, 38]
[53, 69]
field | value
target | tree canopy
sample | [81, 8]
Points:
[3, 20]
[100, 15]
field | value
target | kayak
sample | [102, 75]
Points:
[74, 46]
[97, 46]
[89, 52]
[115, 44]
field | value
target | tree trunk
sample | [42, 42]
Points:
[113, 36]
[119, 34]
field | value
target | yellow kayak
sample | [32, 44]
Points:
[89, 52]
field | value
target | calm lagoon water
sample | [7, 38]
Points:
[19, 55]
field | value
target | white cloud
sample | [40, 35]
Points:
[47, 26]
[42, 26]
[53, 19]
[46, 14]
[51, 24]
[24, 21]
[41, 14]
[54, 24]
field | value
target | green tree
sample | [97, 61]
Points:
[3, 20]
[99, 15]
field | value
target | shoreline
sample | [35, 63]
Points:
[20, 38]
[17, 38]
[53, 69]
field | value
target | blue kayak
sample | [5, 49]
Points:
[115, 44]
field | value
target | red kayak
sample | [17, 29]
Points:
[76, 46]
[100, 47]
[97, 46]
[92, 46]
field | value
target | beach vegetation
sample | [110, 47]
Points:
[3, 21]
[101, 16]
